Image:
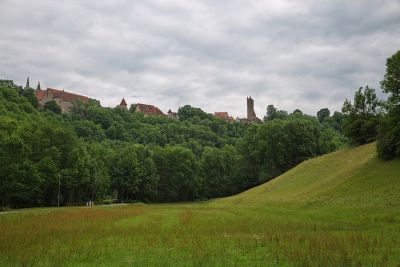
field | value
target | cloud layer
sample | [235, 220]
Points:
[210, 54]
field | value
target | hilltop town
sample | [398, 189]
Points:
[65, 100]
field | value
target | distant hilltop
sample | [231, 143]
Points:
[65, 101]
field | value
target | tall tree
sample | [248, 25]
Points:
[388, 144]
[278, 145]
[391, 81]
[362, 117]
[30, 94]
[322, 114]
[273, 113]
[176, 167]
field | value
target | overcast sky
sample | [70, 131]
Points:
[210, 54]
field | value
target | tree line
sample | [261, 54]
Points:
[368, 118]
[110, 154]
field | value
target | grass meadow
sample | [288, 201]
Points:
[342, 209]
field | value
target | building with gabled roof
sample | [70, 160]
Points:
[173, 115]
[148, 110]
[63, 98]
[224, 116]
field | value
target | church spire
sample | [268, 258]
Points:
[27, 83]
[123, 104]
[38, 86]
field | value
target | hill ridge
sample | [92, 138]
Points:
[326, 180]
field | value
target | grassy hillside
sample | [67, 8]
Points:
[347, 179]
[342, 209]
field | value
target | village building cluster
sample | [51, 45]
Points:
[65, 101]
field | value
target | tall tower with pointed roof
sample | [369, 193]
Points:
[123, 104]
[27, 83]
[38, 86]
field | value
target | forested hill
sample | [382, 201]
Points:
[106, 154]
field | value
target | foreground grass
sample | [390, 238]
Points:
[338, 210]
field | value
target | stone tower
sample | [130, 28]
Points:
[27, 83]
[251, 115]
[123, 104]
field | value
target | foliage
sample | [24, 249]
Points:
[220, 170]
[362, 117]
[176, 167]
[52, 106]
[273, 113]
[337, 210]
[278, 145]
[30, 94]
[104, 153]
[322, 114]
[388, 144]
[391, 81]
[134, 173]
[187, 112]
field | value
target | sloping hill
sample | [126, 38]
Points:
[351, 178]
[342, 209]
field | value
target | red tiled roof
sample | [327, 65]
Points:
[66, 96]
[40, 94]
[149, 109]
[223, 115]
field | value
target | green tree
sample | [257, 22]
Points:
[79, 109]
[388, 144]
[133, 173]
[219, 170]
[30, 94]
[330, 140]
[273, 113]
[338, 121]
[297, 111]
[52, 106]
[271, 148]
[88, 130]
[362, 117]
[391, 81]
[187, 112]
[19, 179]
[124, 171]
[322, 114]
[176, 167]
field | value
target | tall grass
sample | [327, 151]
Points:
[354, 221]
[192, 235]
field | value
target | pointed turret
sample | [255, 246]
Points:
[27, 83]
[38, 86]
[123, 104]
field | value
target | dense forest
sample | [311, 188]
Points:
[114, 155]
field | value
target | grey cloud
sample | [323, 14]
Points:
[211, 54]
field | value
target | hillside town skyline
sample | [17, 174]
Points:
[65, 98]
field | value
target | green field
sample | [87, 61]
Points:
[341, 209]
